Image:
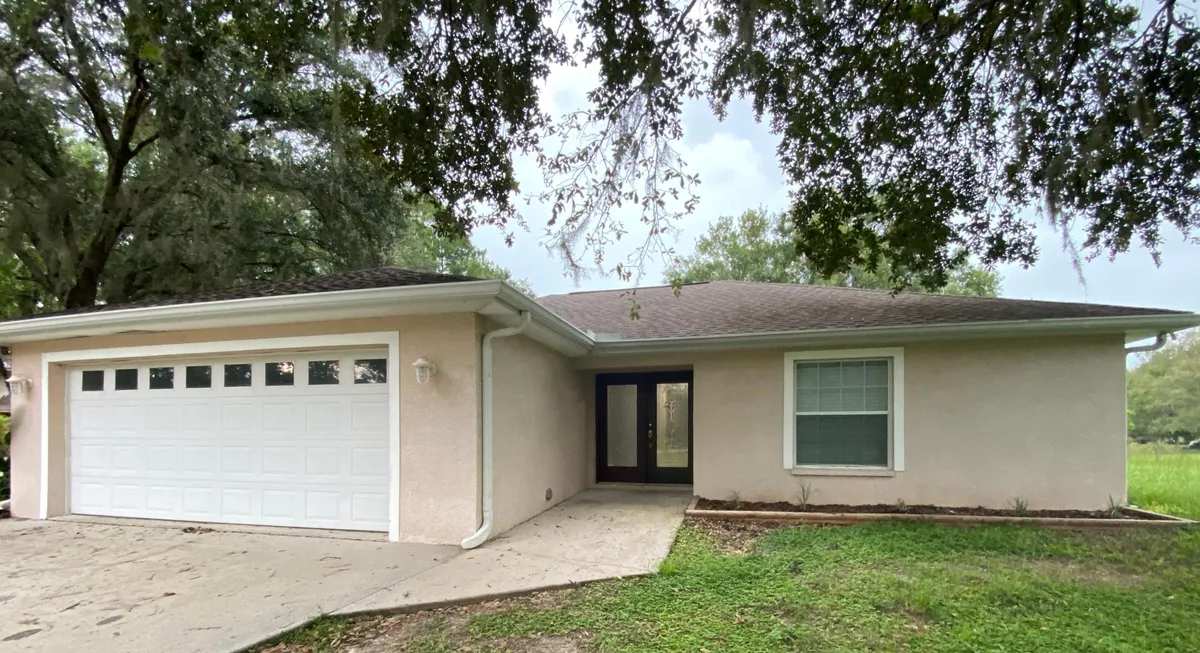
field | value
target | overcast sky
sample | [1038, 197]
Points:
[737, 166]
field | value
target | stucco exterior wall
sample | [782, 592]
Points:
[986, 421]
[439, 422]
[539, 412]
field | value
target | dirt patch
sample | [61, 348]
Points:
[1083, 573]
[897, 509]
[573, 643]
[390, 633]
[733, 537]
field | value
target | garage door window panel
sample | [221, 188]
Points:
[93, 381]
[370, 370]
[126, 379]
[198, 376]
[280, 374]
[323, 372]
[162, 378]
[239, 375]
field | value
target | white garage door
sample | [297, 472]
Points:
[287, 439]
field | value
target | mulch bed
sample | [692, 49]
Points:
[894, 509]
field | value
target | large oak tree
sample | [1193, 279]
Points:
[152, 146]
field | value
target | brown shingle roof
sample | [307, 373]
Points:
[355, 280]
[736, 307]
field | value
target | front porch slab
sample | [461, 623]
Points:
[598, 534]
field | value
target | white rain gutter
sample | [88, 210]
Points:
[1159, 341]
[485, 529]
[1137, 324]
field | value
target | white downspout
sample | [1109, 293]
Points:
[1155, 346]
[485, 529]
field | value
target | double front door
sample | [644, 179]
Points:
[644, 427]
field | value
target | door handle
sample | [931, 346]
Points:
[650, 433]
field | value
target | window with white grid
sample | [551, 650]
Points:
[841, 412]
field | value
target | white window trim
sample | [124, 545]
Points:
[896, 354]
[390, 339]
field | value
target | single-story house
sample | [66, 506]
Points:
[445, 409]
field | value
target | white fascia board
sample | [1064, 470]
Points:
[464, 296]
[309, 307]
[1129, 325]
[547, 327]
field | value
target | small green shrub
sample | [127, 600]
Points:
[1114, 508]
[804, 495]
[1019, 506]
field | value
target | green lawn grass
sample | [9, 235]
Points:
[1165, 479]
[875, 587]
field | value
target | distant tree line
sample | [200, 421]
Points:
[1164, 392]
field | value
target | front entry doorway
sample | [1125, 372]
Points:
[644, 427]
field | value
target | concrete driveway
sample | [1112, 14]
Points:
[126, 585]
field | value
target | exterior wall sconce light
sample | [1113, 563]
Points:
[20, 384]
[425, 370]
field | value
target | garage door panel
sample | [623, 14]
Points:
[285, 416]
[164, 500]
[326, 416]
[241, 416]
[310, 456]
[367, 414]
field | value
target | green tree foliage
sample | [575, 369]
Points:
[150, 146]
[1164, 392]
[761, 246]
[156, 146]
[422, 248]
[925, 132]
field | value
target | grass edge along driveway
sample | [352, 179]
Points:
[872, 587]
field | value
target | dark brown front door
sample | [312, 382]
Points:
[644, 427]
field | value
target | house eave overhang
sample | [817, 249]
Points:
[1132, 327]
[503, 303]
[491, 298]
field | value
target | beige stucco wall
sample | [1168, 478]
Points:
[986, 421]
[539, 411]
[439, 422]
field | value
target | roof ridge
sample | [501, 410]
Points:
[633, 289]
[926, 293]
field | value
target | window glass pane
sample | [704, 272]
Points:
[162, 378]
[371, 370]
[93, 381]
[323, 372]
[852, 399]
[876, 398]
[831, 375]
[198, 376]
[842, 440]
[622, 426]
[842, 387]
[671, 438]
[280, 374]
[830, 399]
[852, 374]
[237, 375]
[876, 372]
[126, 380]
[807, 375]
[806, 400]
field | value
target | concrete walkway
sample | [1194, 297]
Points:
[127, 585]
[595, 535]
